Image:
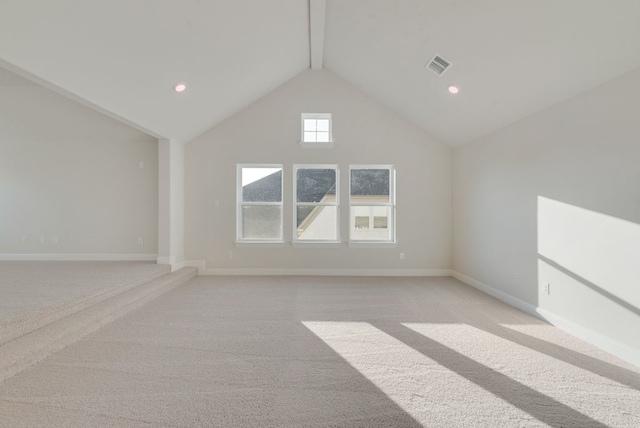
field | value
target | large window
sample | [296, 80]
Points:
[372, 203]
[316, 198]
[259, 208]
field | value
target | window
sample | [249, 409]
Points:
[315, 190]
[316, 130]
[259, 207]
[372, 203]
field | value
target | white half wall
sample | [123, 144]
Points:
[365, 132]
[555, 199]
[71, 182]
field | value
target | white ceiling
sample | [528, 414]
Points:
[510, 58]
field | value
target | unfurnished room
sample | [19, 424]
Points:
[320, 213]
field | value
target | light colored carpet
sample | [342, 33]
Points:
[325, 352]
[36, 293]
[68, 325]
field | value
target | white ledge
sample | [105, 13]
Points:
[317, 244]
[259, 243]
[372, 244]
[308, 145]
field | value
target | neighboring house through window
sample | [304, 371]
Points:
[372, 203]
[259, 203]
[316, 199]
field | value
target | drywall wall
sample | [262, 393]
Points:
[555, 199]
[365, 132]
[71, 177]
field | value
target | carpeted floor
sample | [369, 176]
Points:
[35, 286]
[35, 293]
[325, 352]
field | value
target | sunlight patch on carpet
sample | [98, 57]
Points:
[420, 386]
[588, 392]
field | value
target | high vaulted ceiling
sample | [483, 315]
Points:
[510, 58]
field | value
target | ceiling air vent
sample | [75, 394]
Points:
[438, 65]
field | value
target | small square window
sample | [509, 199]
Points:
[316, 130]
[380, 222]
[362, 222]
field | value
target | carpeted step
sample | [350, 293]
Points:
[20, 352]
[24, 323]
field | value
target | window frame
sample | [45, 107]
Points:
[311, 144]
[391, 223]
[315, 242]
[240, 203]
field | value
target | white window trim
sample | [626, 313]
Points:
[391, 243]
[258, 242]
[307, 243]
[312, 145]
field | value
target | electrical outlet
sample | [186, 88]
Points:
[141, 241]
[546, 288]
[25, 240]
[401, 256]
[230, 254]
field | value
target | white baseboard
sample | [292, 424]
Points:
[203, 270]
[79, 257]
[607, 344]
[166, 260]
[498, 294]
[612, 346]
[328, 272]
[171, 261]
[178, 266]
[200, 264]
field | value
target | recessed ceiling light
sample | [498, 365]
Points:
[179, 87]
[454, 89]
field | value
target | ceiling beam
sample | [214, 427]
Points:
[316, 32]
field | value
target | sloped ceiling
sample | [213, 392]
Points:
[124, 56]
[510, 58]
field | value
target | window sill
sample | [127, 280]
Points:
[308, 145]
[372, 244]
[259, 243]
[317, 244]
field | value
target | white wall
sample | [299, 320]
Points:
[70, 172]
[556, 198]
[268, 131]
